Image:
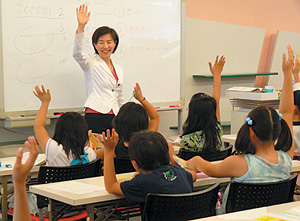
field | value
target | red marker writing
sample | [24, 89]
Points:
[156, 107]
[178, 105]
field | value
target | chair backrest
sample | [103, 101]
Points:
[207, 155]
[181, 206]
[244, 196]
[51, 174]
[123, 165]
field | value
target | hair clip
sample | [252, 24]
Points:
[249, 121]
[280, 115]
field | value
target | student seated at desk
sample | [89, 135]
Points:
[259, 158]
[148, 152]
[69, 144]
[132, 118]
[202, 129]
[20, 172]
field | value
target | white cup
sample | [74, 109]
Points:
[269, 89]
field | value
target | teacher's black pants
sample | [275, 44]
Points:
[99, 122]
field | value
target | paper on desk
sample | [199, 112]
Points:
[246, 214]
[244, 89]
[40, 160]
[75, 187]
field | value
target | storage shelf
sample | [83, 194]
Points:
[235, 75]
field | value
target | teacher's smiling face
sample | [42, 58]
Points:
[105, 46]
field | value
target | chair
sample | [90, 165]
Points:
[50, 174]
[207, 155]
[244, 196]
[123, 165]
[181, 206]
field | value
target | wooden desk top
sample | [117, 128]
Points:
[244, 215]
[7, 170]
[99, 194]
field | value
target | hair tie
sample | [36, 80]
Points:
[280, 115]
[249, 121]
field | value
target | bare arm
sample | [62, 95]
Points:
[287, 101]
[296, 70]
[194, 175]
[171, 153]
[40, 121]
[233, 166]
[83, 17]
[20, 172]
[216, 71]
[110, 179]
[152, 113]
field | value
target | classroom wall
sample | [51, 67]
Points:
[270, 14]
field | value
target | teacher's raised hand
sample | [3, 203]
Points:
[83, 17]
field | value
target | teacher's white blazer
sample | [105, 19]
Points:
[103, 93]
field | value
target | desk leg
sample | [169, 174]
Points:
[180, 113]
[50, 209]
[4, 198]
[90, 211]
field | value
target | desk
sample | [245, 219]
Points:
[229, 138]
[5, 176]
[242, 215]
[100, 196]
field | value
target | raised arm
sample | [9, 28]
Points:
[110, 180]
[83, 17]
[216, 71]
[152, 113]
[40, 121]
[296, 70]
[20, 172]
[287, 101]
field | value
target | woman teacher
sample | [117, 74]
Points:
[103, 77]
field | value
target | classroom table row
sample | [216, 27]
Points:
[91, 191]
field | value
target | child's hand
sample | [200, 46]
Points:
[296, 67]
[193, 164]
[83, 15]
[138, 93]
[287, 65]
[296, 70]
[20, 171]
[43, 95]
[217, 69]
[109, 141]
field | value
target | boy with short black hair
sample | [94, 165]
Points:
[149, 154]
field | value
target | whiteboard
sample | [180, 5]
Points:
[282, 39]
[241, 45]
[38, 39]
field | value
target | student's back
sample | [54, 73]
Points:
[68, 145]
[264, 143]
[202, 130]
[148, 152]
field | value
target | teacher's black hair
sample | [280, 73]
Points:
[71, 131]
[103, 30]
[297, 99]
